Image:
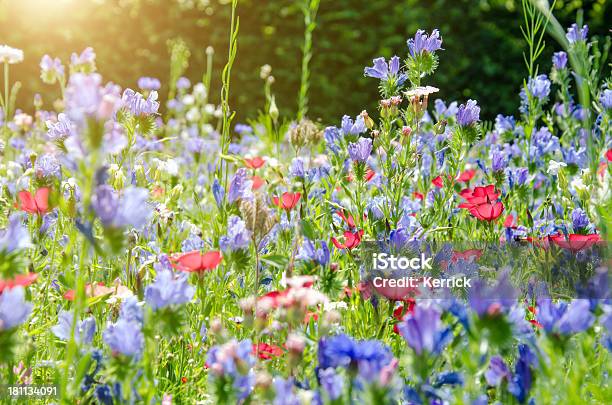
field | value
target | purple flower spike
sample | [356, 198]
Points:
[468, 114]
[360, 151]
[423, 331]
[424, 43]
[575, 34]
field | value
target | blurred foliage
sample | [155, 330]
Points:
[482, 41]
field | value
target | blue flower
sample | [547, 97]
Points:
[169, 289]
[149, 83]
[235, 360]
[504, 123]
[423, 331]
[498, 160]
[47, 166]
[240, 186]
[243, 129]
[218, 192]
[360, 150]
[61, 129]
[575, 34]
[492, 299]
[333, 137]
[125, 337]
[309, 252]
[444, 111]
[193, 242]
[14, 309]
[353, 128]
[497, 371]
[564, 318]
[539, 87]
[517, 176]
[523, 378]
[332, 383]
[468, 114]
[83, 332]
[580, 220]
[238, 236]
[606, 99]
[386, 72]
[136, 104]
[559, 60]
[368, 356]
[129, 210]
[15, 236]
[284, 392]
[131, 310]
[424, 43]
[104, 394]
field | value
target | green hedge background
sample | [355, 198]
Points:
[482, 40]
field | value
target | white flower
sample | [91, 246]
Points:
[554, 167]
[199, 91]
[10, 55]
[422, 91]
[193, 115]
[188, 99]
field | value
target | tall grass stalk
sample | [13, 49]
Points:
[309, 9]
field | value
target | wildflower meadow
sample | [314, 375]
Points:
[156, 250]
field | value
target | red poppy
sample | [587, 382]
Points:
[184, 380]
[478, 196]
[488, 211]
[418, 196]
[350, 221]
[22, 280]
[254, 163]
[91, 290]
[402, 311]
[34, 204]
[466, 255]
[311, 315]
[609, 155]
[482, 203]
[257, 182]
[601, 171]
[466, 176]
[369, 174]
[195, 261]
[287, 201]
[575, 242]
[362, 288]
[266, 352]
[438, 182]
[351, 240]
[509, 222]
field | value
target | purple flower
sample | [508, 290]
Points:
[169, 289]
[423, 331]
[332, 383]
[87, 56]
[559, 60]
[539, 87]
[606, 99]
[285, 394]
[243, 129]
[386, 72]
[183, 83]
[124, 337]
[517, 176]
[15, 236]
[309, 252]
[504, 123]
[564, 318]
[238, 236]
[333, 137]
[84, 96]
[493, 299]
[368, 356]
[114, 138]
[575, 34]
[149, 83]
[218, 192]
[424, 43]
[353, 128]
[498, 160]
[51, 69]
[47, 166]
[61, 129]
[523, 376]
[580, 220]
[241, 186]
[360, 151]
[468, 114]
[83, 332]
[14, 309]
[131, 209]
[233, 360]
[497, 371]
[193, 242]
[138, 105]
